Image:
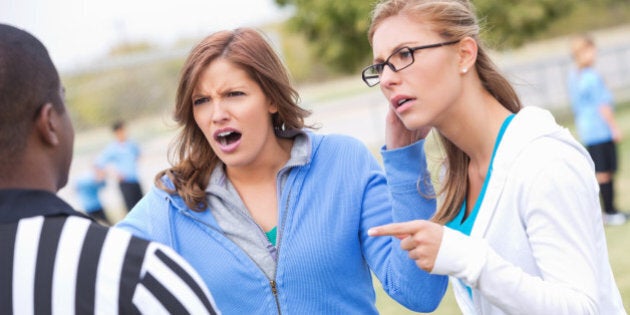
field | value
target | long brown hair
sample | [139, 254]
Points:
[452, 19]
[190, 154]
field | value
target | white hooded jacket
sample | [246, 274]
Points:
[538, 244]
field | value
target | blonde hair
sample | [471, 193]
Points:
[452, 19]
[191, 154]
[579, 45]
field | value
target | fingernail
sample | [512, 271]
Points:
[371, 232]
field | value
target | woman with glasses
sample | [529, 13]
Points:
[518, 228]
[273, 216]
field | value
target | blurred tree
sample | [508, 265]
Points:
[510, 23]
[99, 97]
[337, 29]
[127, 48]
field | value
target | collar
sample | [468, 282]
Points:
[300, 155]
[16, 204]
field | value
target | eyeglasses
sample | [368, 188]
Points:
[400, 59]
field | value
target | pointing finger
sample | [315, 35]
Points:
[399, 230]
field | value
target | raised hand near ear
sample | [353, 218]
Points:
[397, 135]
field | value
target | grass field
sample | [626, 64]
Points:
[618, 237]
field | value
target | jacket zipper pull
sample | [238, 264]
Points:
[274, 289]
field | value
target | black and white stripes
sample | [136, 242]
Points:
[68, 265]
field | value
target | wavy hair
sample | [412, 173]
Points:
[452, 19]
[190, 154]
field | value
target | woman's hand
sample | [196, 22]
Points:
[397, 135]
[420, 238]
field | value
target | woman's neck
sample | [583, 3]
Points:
[474, 128]
[266, 166]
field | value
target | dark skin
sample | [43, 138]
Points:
[35, 126]
[44, 162]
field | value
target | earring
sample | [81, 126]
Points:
[464, 70]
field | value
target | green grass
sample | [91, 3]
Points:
[618, 237]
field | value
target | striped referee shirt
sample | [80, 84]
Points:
[54, 260]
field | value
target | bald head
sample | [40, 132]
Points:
[36, 135]
[28, 80]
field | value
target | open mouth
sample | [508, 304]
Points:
[403, 101]
[228, 137]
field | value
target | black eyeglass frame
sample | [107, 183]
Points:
[412, 50]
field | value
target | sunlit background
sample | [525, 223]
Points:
[121, 59]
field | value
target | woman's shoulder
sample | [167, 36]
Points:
[341, 151]
[550, 156]
[165, 181]
[163, 191]
[336, 140]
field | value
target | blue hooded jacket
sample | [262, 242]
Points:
[325, 256]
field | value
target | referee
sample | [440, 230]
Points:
[53, 259]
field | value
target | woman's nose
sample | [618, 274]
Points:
[219, 112]
[388, 76]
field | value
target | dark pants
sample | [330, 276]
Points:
[132, 193]
[604, 156]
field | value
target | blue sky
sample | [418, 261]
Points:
[79, 31]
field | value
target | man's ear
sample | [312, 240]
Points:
[46, 124]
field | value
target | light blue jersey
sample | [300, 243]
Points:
[588, 93]
[123, 156]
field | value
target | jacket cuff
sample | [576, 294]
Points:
[460, 256]
[404, 165]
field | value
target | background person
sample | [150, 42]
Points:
[88, 187]
[55, 259]
[122, 156]
[518, 196]
[255, 200]
[592, 105]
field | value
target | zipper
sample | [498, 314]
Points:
[272, 282]
[274, 290]
[274, 287]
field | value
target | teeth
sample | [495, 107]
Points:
[224, 134]
[222, 137]
[400, 102]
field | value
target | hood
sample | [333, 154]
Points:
[531, 124]
[528, 128]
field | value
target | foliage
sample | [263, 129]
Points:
[304, 66]
[143, 82]
[598, 14]
[337, 29]
[97, 98]
[127, 48]
[513, 22]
